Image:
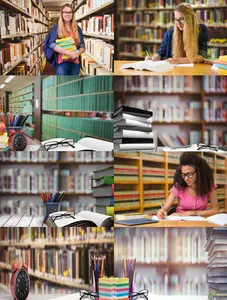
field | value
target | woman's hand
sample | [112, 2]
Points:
[162, 213]
[155, 57]
[71, 54]
[185, 213]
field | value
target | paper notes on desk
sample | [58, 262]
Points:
[183, 65]
[180, 218]
[149, 65]
[220, 219]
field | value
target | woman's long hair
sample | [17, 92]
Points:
[186, 40]
[205, 178]
[62, 31]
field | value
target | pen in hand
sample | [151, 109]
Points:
[148, 56]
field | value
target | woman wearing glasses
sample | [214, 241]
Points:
[186, 42]
[67, 27]
[193, 187]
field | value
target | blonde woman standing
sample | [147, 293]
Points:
[186, 42]
[65, 62]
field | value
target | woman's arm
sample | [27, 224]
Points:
[203, 213]
[184, 60]
[162, 213]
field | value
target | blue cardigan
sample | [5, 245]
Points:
[52, 42]
[165, 50]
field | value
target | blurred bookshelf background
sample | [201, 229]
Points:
[143, 180]
[58, 260]
[186, 109]
[170, 261]
[141, 26]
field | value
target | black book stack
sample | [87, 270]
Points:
[216, 247]
[133, 129]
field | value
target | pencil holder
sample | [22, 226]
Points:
[97, 271]
[50, 208]
[129, 270]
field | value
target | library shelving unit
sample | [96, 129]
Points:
[24, 37]
[71, 172]
[22, 101]
[57, 259]
[186, 110]
[141, 26]
[166, 259]
[142, 180]
[96, 19]
[67, 106]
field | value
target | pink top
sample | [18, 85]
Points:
[61, 60]
[189, 202]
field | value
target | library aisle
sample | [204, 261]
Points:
[29, 22]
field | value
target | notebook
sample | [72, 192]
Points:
[181, 218]
[149, 65]
[83, 144]
[220, 219]
[83, 218]
[134, 222]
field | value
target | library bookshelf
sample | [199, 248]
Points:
[202, 99]
[24, 36]
[96, 19]
[169, 256]
[149, 192]
[66, 273]
[71, 172]
[145, 25]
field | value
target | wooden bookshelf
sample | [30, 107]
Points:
[13, 8]
[90, 57]
[166, 183]
[137, 21]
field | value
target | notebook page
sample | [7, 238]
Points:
[98, 219]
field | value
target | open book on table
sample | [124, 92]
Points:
[153, 66]
[86, 143]
[83, 218]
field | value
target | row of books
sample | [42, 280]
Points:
[87, 156]
[76, 182]
[27, 89]
[90, 67]
[27, 96]
[166, 3]
[138, 50]
[101, 51]
[166, 84]
[102, 102]
[215, 137]
[32, 236]
[53, 86]
[221, 178]
[99, 25]
[173, 245]
[32, 182]
[70, 127]
[159, 18]
[216, 270]
[27, 5]
[59, 264]
[215, 110]
[12, 24]
[89, 6]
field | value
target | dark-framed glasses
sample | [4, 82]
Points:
[189, 174]
[54, 144]
[67, 12]
[66, 215]
[140, 294]
[180, 21]
[206, 146]
[86, 294]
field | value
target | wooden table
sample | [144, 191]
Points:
[21, 221]
[38, 297]
[167, 223]
[197, 70]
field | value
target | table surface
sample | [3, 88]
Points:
[21, 221]
[168, 223]
[76, 297]
[197, 70]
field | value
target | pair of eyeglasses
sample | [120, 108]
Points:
[86, 294]
[54, 144]
[140, 294]
[66, 215]
[67, 12]
[206, 146]
[180, 21]
[189, 174]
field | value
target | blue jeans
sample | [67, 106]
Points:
[68, 68]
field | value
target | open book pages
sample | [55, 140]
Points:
[220, 219]
[149, 65]
[181, 218]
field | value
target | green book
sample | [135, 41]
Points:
[104, 180]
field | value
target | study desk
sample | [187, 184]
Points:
[33, 297]
[21, 221]
[168, 223]
[197, 70]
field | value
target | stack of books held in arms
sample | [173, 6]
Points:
[133, 129]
